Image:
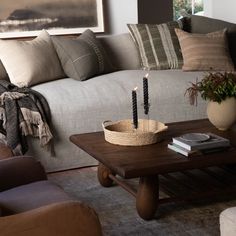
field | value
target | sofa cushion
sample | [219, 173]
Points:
[30, 62]
[205, 51]
[202, 25]
[122, 51]
[83, 57]
[31, 196]
[158, 45]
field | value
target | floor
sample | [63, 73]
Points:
[117, 212]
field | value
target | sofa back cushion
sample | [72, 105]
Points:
[122, 51]
[203, 25]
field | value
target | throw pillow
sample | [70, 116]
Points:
[158, 45]
[83, 57]
[30, 62]
[203, 25]
[205, 51]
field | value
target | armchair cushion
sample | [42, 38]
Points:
[31, 196]
[18, 171]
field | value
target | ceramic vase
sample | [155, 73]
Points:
[222, 115]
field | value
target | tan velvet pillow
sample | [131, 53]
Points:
[207, 52]
[30, 62]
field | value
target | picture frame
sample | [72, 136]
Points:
[26, 18]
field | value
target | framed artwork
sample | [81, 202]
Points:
[25, 18]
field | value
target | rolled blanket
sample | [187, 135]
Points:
[23, 112]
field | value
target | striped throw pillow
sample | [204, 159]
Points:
[208, 52]
[158, 45]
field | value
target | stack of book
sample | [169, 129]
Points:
[188, 147]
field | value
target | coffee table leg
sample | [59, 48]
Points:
[147, 197]
[103, 175]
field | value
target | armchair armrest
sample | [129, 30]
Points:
[60, 219]
[16, 171]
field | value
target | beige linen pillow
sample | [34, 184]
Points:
[205, 51]
[30, 62]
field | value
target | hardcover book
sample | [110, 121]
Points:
[182, 150]
[190, 153]
[214, 141]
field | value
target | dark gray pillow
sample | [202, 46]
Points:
[83, 57]
[203, 25]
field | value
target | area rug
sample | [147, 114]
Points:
[118, 216]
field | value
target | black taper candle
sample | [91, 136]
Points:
[145, 94]
[135, 108]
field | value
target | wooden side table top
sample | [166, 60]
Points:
[131, 162]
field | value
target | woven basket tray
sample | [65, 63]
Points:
[123, 133]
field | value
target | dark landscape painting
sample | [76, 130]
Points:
[26, 17]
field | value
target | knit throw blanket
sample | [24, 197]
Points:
[23, 112]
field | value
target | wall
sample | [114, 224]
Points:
[221, 9]
[118, 13]
[208, 8]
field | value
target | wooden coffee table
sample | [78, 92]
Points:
[149, 162]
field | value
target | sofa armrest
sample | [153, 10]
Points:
[16, 171]
[59, 219]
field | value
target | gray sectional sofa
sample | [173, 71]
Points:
[79, 107]
[82, 106]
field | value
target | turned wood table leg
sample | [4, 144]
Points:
[147, 197]
[103, 175]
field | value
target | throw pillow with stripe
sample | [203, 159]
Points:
[83, 57]
[158, 45]
[208, 52]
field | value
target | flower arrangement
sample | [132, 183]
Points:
[214, 87]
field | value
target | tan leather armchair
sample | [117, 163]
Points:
[32, 205]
